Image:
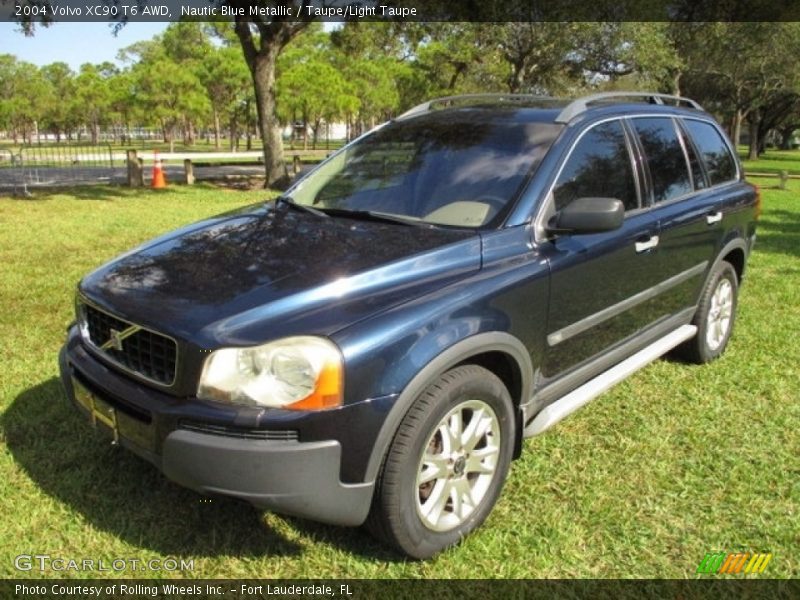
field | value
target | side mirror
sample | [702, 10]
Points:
[588, 215]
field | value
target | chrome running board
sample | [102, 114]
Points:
[566, 405]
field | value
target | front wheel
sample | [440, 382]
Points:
[447, 463]
[715, 315]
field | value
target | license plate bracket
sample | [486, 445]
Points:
[99, 411]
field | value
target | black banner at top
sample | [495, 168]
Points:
[122, 11]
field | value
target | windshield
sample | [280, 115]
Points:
[445, 169]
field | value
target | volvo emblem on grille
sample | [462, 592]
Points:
[115, 338]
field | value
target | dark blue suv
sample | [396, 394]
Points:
[374, 345]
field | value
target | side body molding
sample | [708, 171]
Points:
[453, 355]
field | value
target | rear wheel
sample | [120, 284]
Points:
[447, 463]
[715, 316]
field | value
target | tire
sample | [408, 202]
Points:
[434, 488]
[715, 316]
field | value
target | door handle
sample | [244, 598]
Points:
[714, 217]
[647, 244]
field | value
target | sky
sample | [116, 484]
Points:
[73, 43]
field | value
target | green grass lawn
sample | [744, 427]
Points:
[675, 462]
[772, 161]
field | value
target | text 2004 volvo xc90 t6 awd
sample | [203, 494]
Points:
[374, 345]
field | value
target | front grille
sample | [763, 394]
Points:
[287, 435]
[144, 352]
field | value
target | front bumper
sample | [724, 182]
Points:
[286, 471]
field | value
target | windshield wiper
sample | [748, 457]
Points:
[374, 215]
[303, 207]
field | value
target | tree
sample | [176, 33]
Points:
[169, 92]
[187, 44]
[313, 89]
[742, 71]
[227, 83]
[60, 115]
[93, 94]
[24, 97]
[262, 40]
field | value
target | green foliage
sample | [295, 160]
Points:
[226, 78]
[60, 115]
[196, 75]
[743, 71]
[93, 95]
[24, 95]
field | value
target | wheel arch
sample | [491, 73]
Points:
[501, 353]
[734, 251]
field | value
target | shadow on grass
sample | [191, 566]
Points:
[105, 191]
[117, 492]
[779, 233]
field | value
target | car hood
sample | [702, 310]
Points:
[272, 270]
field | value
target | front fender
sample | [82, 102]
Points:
[435, 366]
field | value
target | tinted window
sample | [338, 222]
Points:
[717, 157]
[599, 167]
[698, 177]
[665, 157]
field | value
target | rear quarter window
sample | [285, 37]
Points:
[715, 153]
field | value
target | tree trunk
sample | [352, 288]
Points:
[248, 125]
[515, 79]
[786, 138]
[261, 51]
[676, 83]
[264, 82]
[188, 132]
[216, 129]
[754, 141]
[736, 130]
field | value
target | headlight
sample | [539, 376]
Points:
[299, 373]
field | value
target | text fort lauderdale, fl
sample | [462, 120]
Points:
[287, 11]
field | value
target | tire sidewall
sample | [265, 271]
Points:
[426, 542]
[722, 271]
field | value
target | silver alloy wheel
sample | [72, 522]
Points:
[719, 315]
[457, 465]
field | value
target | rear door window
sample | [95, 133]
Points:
[665, 157]
[698, 176]
[598, 167]
[715, 153]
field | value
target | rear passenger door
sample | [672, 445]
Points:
[686, 206]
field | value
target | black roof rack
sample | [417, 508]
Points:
[580, 105]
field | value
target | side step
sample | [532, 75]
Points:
[565, 406]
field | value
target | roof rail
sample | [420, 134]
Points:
[467, 98]
[580, 105]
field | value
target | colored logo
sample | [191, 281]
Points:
[734, 563]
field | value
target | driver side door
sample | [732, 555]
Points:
[599, 282]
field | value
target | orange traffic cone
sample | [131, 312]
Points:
[159, 179]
